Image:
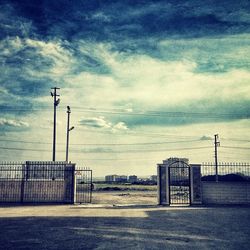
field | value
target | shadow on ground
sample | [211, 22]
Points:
[201, 228]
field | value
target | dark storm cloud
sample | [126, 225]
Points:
[42, 42]
[205, 111]
[116, 20]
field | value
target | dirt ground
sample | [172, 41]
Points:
[120, 224]
[125, 197]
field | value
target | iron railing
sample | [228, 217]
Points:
[179, 184]
[84, 185]
[226, 172]
[44, 182]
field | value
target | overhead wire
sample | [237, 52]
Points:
[117, 152]
[100, 144]
[147, 113]
[247, 148]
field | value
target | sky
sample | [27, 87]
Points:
[145, 80]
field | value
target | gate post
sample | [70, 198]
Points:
[163, 184]
[69, 183]
[74, 185]
[23, 181]
[195, 174]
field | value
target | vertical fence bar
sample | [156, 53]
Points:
[22, 182]
[91, 186]
[43, 182]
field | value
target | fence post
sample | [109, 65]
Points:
[163, 184]
[23, 182]
[91, 186]
[69, 179]
[73, 187]
[195, 179]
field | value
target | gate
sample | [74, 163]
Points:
[84, 185]
[179, 183]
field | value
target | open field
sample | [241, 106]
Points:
[123, 227]
[125, 197]
[122, 187]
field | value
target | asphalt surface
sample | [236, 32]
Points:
[123, 227]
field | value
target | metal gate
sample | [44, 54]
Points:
[84, 185]
[179, 183]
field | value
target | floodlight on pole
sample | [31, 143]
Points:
[216, 144]
[68, 130]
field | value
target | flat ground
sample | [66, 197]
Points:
[125, 197]
[121, 225]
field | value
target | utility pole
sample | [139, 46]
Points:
[56, 102]
[68, 130]
[216, 144]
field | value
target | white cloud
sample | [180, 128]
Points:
[62, 58]
[96, 122]
[101, 122]
[120, 126]
[13, 123]
[100, 16]
[206, 138]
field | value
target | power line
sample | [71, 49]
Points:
[233, 139]
[102, 144]
[146, 113]
[140, 134]
[233, 153]
[235, 147]
[88, 152]
[26, 149]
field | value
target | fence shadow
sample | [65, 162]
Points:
[153, 229]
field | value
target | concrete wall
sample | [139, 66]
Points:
[36, 191]
[44, 191]
[162, 185]
[10, 191]
[225, 192]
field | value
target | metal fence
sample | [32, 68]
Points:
[43, 182]
[225, 172]
[84, 185]
[179, 184]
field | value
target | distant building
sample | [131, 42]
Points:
[132, 178]
[153, 178]
[122, 178]
[111, 178]
[116, 178]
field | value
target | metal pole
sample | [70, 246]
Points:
[67, 142]
[216, 143]
[68, 130]
[54, 133]
[56, 102]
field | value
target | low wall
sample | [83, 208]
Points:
[44, 191]
[225, 192]
[36, 191]
[10, 191]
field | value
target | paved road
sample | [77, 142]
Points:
[119, 227]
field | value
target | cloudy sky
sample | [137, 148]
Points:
[146, 80]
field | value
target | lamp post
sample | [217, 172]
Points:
[216, 144]
[68, 130]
